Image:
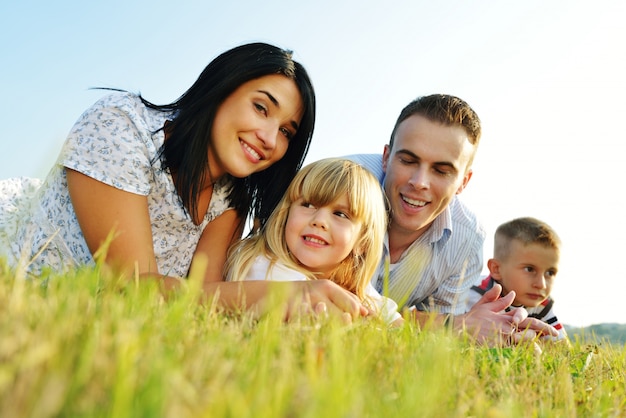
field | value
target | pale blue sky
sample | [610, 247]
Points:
[546, 78]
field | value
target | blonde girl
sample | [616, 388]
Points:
[330, 224]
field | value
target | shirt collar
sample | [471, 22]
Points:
[437, 234]
[441, 229]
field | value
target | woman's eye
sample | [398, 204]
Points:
[287, 133]
[259, 107]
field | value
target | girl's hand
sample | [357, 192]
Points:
[323, 297]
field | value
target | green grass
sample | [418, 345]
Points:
[85, 345]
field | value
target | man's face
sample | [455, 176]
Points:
[426, 167]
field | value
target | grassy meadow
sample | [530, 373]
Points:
[86, 345]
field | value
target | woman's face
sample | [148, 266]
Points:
[253, 126]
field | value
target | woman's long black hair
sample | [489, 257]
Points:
[189, 133]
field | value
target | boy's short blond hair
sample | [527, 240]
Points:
[526, 230]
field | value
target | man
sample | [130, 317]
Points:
[433, 252]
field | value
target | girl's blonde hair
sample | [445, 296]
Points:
[322, 183]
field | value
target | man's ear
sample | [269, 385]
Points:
[466, 180]
[386, 156]
[494, 269]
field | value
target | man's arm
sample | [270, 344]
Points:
[488, 324]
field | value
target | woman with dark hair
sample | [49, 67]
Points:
[153, 189]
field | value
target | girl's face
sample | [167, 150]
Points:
[320, 238]
[253, 126]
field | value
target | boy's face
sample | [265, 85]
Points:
[529, 270]
[426, 167]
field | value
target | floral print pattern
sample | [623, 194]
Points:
[117, 142]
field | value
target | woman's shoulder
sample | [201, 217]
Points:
[127, 102]
[124, 109]
[118, 98]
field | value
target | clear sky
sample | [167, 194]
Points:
[547, 79]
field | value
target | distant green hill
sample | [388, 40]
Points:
[611, 332]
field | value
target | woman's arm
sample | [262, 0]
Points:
[103, 210]
[216, 239]
[299, 297]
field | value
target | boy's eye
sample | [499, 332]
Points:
[528, 269]
[551, 273]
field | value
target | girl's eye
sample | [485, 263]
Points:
[528, 269]
[307, 205]
[287, 133]
[342, 214]
[551, 273]
[259, 107]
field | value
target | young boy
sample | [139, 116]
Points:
[526, 260]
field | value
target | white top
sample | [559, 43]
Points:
[115, 142]
[261, 269]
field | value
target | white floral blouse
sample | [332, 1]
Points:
[113, 142]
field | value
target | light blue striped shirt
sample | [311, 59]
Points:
[438, 269]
